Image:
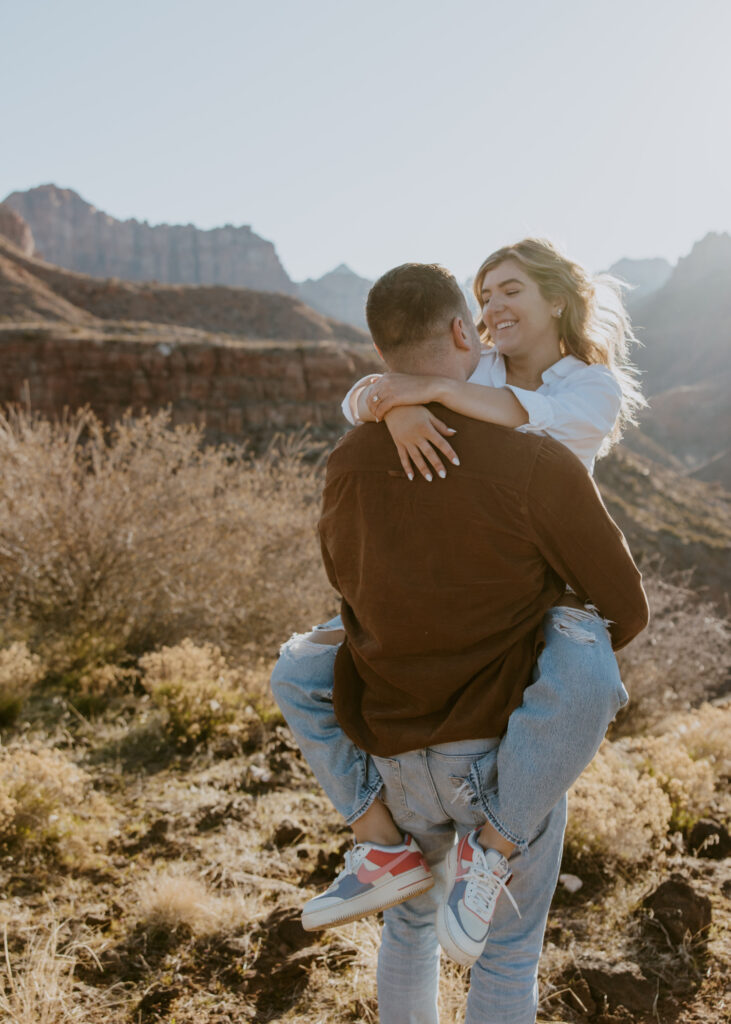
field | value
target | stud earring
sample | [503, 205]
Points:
[558, 313]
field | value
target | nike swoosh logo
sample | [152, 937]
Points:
[372, 875]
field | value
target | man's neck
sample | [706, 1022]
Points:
[437, 366]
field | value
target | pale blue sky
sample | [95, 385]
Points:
[376, 133]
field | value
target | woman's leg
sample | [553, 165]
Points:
[302, 685]
[557, 730]
[384, 867]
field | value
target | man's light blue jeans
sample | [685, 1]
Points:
[425, 792]
[575, 693]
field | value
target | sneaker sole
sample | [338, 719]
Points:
[448, 944]
[372, 903]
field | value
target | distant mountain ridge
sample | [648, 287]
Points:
[341, 294]
[685, 326]
[70, 232]
[645, 276]
[73, 234]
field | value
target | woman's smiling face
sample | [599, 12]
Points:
[515, 312]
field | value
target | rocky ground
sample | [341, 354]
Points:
[187, 909]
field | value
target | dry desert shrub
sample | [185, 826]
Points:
[195, 688]
[704, 733]
[679, 661]
[46, 801]
[120, 540]
[19, 672]
[175, 899]
[689, 784]
[616, 813]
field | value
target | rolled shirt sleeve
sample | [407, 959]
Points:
[350, 402]
[579, 412]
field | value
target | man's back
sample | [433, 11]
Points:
[451, 579]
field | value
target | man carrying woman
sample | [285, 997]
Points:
[450, 594]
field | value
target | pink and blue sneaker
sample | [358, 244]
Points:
[475, 879]
[374, 878]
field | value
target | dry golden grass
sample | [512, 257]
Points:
[175, 899]
[39, 987]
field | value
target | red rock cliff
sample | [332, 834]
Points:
[72, 233]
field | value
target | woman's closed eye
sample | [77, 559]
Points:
[486, 298]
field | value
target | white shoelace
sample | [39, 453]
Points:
[483, 889]
[354, 858]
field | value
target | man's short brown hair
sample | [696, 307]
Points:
[413, 303]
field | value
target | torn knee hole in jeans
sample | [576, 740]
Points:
[569, 624]
[300, 645]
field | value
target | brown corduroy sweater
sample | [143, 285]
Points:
[445, 584]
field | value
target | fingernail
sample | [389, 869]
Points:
[428, 477]
[455, 461]
[442, 474]
[410, 476]
[452, 431]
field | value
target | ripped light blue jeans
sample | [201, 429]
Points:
[575, 693]
[426, 792]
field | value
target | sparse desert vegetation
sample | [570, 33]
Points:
[158, 828]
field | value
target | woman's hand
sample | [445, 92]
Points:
[392, 389]
[416, 433]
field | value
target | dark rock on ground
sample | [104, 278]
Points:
[285, 931]
[580, 997]
[679, 909]
[710, 839]
[156, 1000]
[287, 832]
[620, 985]
[327, 865]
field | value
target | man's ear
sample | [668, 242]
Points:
[378, 351]
[460, 337]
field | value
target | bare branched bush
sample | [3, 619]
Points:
[118, 541]
[46, 801]
[176, 899]
[616, 814]
[678, 662]
[19, 672]
[197, 690]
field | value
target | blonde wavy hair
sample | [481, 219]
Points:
[595, 326]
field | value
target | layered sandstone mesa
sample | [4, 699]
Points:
[72, 233]
[16, 230]
[31, 289]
